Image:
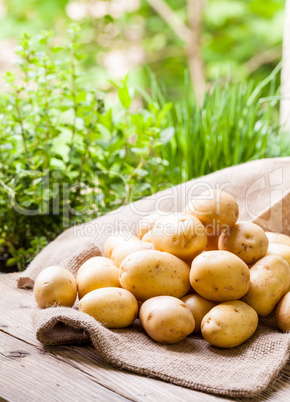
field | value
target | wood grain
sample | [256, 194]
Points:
[33, 372]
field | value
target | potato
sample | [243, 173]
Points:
[283, 313]
[179, 234]
[145, 224]
[278, 238]
[279, 249]
[150, 273]
[147, 237]
[245, 239]
[55, 286]
[128, 248]
[166, 319]
[199, 307]
[216, 209]
[229, 324]
[219, 276]
[112, 307]
[97, 272]
[270, 279]
[115, 240]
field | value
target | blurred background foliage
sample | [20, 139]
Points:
[119, 36]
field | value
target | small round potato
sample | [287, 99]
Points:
[128, 248]
[245, 239]
[229, 324]
[279, 238]
[145, 224]
[112, 307]
[166, 319]
[279, 249]
[216, 209]
[219, 276]
[97, 272]
[283, 313]
[199, 307]
[179, 234]
[55, 286]
[270, 279]
[115, 240]
[150, 273]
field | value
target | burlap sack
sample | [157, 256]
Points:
[262, 189]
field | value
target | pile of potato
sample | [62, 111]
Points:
[199, 271]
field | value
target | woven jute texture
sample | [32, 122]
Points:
[262, 190]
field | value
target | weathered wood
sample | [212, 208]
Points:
[31, 369]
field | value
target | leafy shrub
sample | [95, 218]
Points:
[67, 157]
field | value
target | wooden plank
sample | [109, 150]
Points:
[27, 373]
[15, 321]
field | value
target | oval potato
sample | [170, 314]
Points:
[146, 224]
[115, 240]
[128, 248]
[245, 239]
[166, 319]
[219, 276]
[283, 313]
[279, 249]
[55, 286]
[199, 307]
[179, 234]
[229, 324]
[150, 273]
[270, 280]
[97, 272]
[279, 238]
[112, 307]
[216, 209]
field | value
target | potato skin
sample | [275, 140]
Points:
[229, 324]
[216, 209]
[245, 239]
[179, 234]
[115, 240]
[97, 272]
[279, 238]
[150, 273]
[112, 307]
[147, 237]
[199, 307]
[146, 224]
[283, 313]
[270, 279]
[128, 248]
[166, 319]
[279, 249]
[219, 276]
[55, 286]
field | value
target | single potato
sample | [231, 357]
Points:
[55, 286]
[147, 237]
[128, 248]
[115, 240]
[199, 307]
[216, 209]
[229, 324]
[279, 249]
[150, 273]
[112, 307]
[245, 239]
[219, 276]
[283, 313]
[166, 319]
[97, 272]
[179, 234]
[270, 280]
[145, 224]
[278, 238]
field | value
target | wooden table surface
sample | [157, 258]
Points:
[31, 372]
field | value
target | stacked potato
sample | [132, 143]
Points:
[199, 271]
